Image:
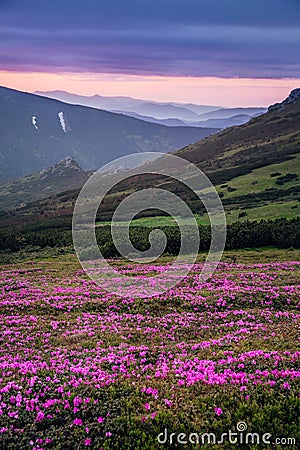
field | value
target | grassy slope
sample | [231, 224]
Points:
[276, 210]
[259, 179]
[242, 160]
[256, 181]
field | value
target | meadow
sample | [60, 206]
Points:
[275, 210]
[82, 368]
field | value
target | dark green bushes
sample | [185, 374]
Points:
[281, 233]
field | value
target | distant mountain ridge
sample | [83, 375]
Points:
[164, 113]
[36, 132]
[239, 119]
[122, 103]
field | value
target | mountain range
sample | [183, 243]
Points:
[168, 113]
[255, 168]
[37, 132]
[221, 123]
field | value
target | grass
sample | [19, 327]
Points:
[270, 210]
[259, 179]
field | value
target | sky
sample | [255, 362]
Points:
[222, 52]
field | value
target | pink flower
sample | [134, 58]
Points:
[88, 441]
[147, 406]
[40, 416]
[168, 402]
[101, 419]
[77, 421]
[218, 411]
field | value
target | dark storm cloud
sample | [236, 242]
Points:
[179, 37]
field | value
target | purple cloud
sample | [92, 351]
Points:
[188, 38]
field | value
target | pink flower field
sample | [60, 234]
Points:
[81, 368]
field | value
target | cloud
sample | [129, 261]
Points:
[179, 37]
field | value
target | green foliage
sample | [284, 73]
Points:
[280, 233]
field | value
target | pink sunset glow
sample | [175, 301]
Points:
[203, 90]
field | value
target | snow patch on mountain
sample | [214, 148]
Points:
[62, 121]
[34, 122]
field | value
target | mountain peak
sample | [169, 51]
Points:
[66, 175]
[69, 161]
[292, 98]
[66, 164]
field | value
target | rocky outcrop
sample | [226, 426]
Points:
[292, 98]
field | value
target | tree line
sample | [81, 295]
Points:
[280, 233]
